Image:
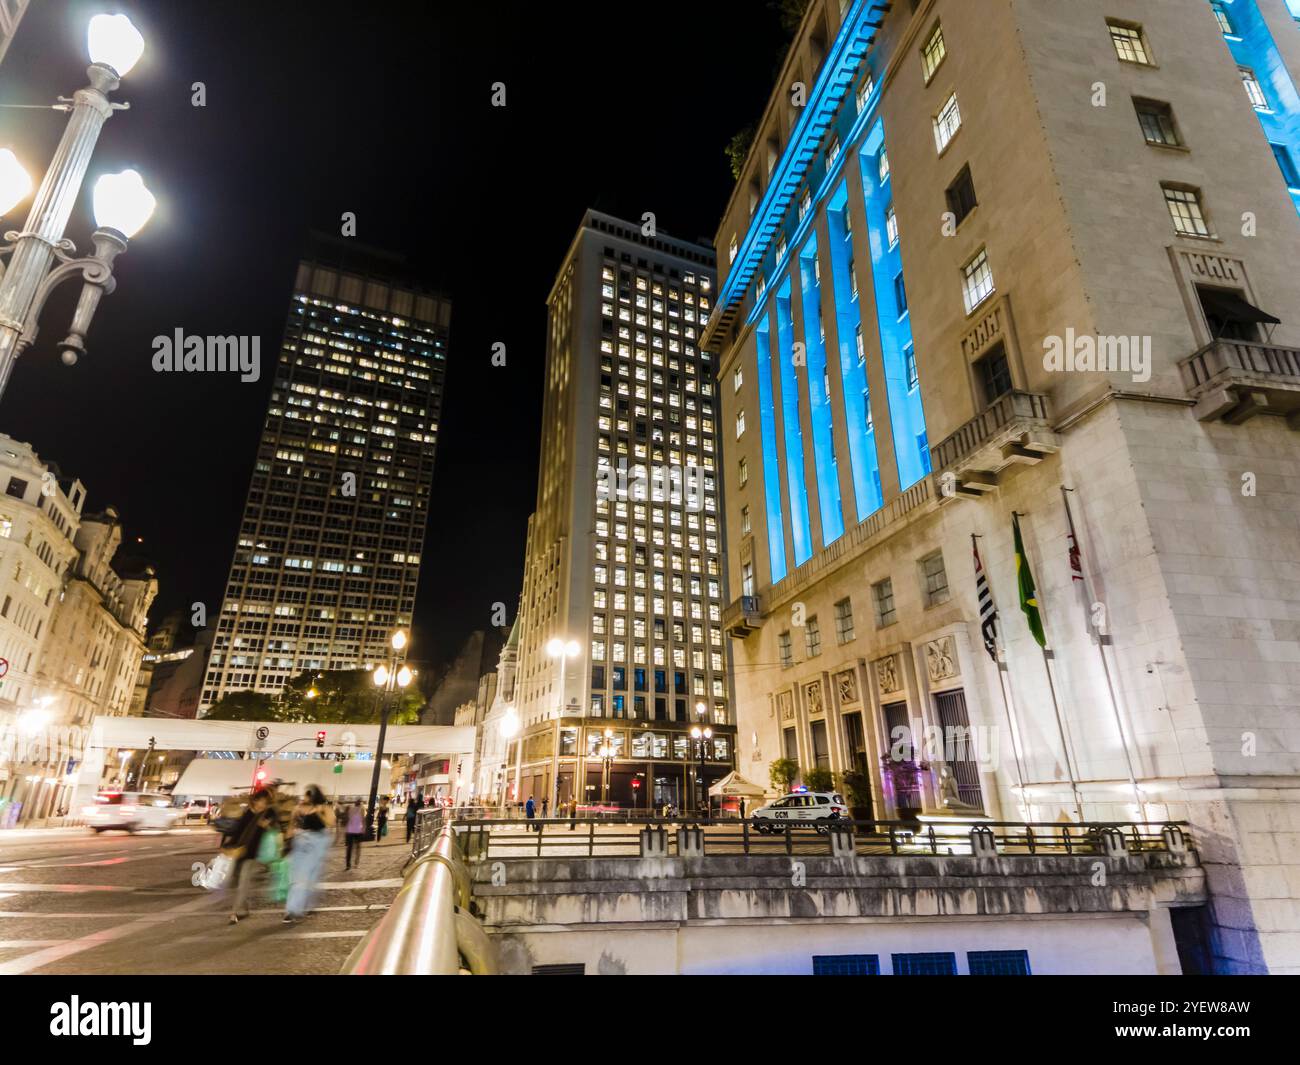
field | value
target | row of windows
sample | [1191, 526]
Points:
[930, 963]
[934, 591]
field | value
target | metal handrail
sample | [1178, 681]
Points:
[593, 837]
[428, 930]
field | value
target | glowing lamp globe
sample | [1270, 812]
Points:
[115, 42]
[15, 182]
[403, 677]
[381, 676]
[123, 203]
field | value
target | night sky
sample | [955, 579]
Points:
[383, 109]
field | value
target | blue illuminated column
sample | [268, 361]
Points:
[863, 457]
[771, 470]
[1253, 48]
[797, 489]
[902, 379]
[819, 400]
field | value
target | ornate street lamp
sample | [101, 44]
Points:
[701, 736]
[394, 673]
[122, 206]
[606, 753]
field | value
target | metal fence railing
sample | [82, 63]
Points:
[596, 837]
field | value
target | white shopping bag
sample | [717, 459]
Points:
[218, 872]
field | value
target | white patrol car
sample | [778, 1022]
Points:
[813, 808]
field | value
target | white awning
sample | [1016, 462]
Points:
[734, 784]
[234, 776]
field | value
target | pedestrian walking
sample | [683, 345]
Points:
[382, 819]
[412, 812]
[530, 811]
[243, 844]
[354, 833]
[742, 807]
[546, 802]
[312, 821]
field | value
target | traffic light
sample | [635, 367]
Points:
[259, 778]
[320, 738]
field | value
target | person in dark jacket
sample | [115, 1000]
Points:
[530, 809]
[412, 812]
[242, 844]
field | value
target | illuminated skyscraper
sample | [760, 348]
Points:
[328, 554]
[621, 623]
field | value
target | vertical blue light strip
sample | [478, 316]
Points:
[819, 400]
[1252, 45]
[863, 457]
[902, 381]
[771, 470]
[798, 490]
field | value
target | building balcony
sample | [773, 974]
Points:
[1233, 380]
[742, 617]
[1015, 428]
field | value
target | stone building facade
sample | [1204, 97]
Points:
[988, 260]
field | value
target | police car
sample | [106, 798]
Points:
[813, 808]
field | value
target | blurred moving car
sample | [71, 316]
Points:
[131, 811]
[197, 810]
[813, 808]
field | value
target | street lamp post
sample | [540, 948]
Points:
[606, 753]
[394, 673]
[121, 201]
[701, 736]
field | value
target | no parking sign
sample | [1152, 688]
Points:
[4, 666]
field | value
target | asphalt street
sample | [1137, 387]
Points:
[78, 903]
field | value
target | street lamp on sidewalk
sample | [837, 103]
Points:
[701, 736]
[387, 675]
[606, 754]
[122, 205]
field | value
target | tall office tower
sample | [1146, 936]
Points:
[621, 612]
[328, 554]
[1012, 258]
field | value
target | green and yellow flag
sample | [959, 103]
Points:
[1028, 595]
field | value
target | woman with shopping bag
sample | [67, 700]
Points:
[245, 848]
[312, 821]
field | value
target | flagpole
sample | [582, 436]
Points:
[998, 661]
[1105, 666]
[1056, 707]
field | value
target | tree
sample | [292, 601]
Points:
[737, 149]
[790, 13]
[336, 697]
[819, 779]
[782, 773]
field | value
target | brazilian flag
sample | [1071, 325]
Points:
[1028, 595]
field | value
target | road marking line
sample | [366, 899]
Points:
[49, 955]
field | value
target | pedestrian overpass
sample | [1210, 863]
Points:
[264, 739]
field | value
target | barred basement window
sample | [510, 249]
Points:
[1185, 211]
[929, 964]
[846, 965]
[934, 579]
[1130, 42]
[844, 620]
[998, 962]
[882, 594]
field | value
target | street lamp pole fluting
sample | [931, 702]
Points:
[122, 206]
[386, 676]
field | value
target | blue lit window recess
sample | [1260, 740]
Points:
[800, 529]
[771, 470]
[902, 391]
[864, 461]
[828, 476]
[1274, 95]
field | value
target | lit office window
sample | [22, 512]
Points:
[1130, 43]
[1185, 211]
[891, 225]
[977, 281]
[1253, 89]
[882, 165]
[933, 53]
[740, 424]
[946, 123]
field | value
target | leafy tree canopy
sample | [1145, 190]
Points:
[336, 697]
